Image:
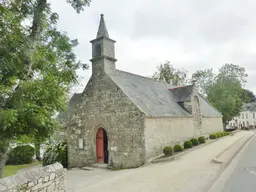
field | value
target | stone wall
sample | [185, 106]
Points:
[160, 132]
[46, 179]
[212, 124]
[105, 105]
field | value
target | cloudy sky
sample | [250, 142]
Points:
[193, 35]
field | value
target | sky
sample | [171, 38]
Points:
[192, 35]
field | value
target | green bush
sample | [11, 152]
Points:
[201, 139]
[177, 148]
[213, 136]
[168, 150]
[58, 152]
[188, 144]
[227, 133]
[22, 154]
[194, 141]
[218, 135]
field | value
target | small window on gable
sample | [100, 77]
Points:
[253, 115]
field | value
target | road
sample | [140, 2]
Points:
[243, 177]
[193, 172]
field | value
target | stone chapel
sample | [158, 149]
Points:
[123, 119]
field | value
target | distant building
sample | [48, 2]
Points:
[246, 118]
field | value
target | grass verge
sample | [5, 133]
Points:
[13, 169]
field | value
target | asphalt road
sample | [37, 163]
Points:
[243, 178]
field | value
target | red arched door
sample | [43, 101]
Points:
[101, 146]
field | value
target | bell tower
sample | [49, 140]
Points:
[103, 50]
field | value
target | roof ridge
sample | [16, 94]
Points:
[144, 77]
[181, 86]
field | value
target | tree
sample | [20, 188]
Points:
[37, 68]
[225, 94]
[168, 74]
[204, 80]
[248, 96]
[226, 99]
[233, 73]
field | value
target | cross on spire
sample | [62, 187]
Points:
[102, 31]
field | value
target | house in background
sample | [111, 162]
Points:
[123, 119]
[246, 118]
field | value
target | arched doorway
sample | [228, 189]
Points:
[101, 146]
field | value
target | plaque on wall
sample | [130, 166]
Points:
[81, 143]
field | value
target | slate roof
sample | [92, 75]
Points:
[155, 98]
[249, 106]
[182, 93]
[76, 98]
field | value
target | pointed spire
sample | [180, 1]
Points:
[102, 31]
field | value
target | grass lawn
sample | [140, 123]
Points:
[12, 169]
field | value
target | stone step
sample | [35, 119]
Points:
[99, 165]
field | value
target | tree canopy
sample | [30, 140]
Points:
[168, 74]
[224, 89]
[37, 68]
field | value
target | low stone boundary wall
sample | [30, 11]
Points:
[46, 179]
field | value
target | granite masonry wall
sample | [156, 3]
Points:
[104, 105]
[46, 179]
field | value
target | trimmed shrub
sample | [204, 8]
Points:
[21, 155]
[218, 135]
[177, 148]
[194, 141]
[168, 150]
[188, 144]
[58, 152]
[227, 133]
[213, 136]
[201, 139]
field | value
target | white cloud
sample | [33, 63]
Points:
[191, 34]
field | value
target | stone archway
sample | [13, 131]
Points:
[101, 146]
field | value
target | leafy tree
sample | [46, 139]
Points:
[225, 94]
[168, 74]
[248, 96]
[226, 99]
[37, 68]
[204, 79]
[232, 73]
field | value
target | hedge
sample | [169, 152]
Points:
[58, 152]
[188, 144]
[194, 141]
[168, 150]
[177, 148]
[22, 154]
[213, 136]
[201, 139]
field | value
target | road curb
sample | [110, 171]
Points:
[217, 160]
[218, 181]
